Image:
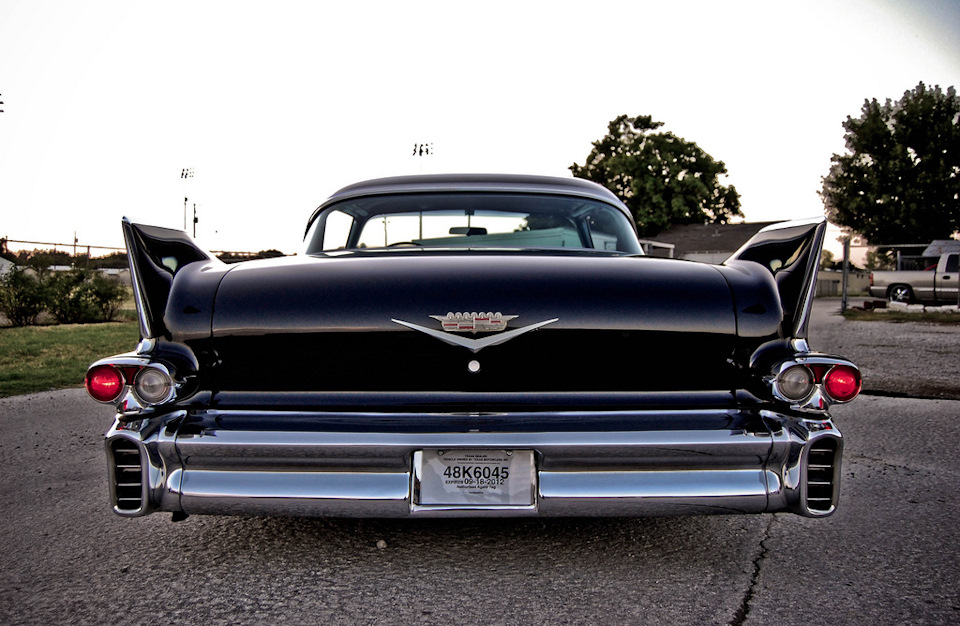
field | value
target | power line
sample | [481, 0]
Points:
[61, 245]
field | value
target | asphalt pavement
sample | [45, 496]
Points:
[890, 555]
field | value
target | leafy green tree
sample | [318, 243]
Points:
[826, 260]
[662, 178]
[879, 260]
[40, 261]
[117, 260]
[899, 181]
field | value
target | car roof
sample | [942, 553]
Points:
[502, 183]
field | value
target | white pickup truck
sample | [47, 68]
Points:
[935, 285]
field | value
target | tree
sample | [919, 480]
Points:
[899, 181]
[879, 260]
[116, 260]
[826, 260]
[662, 178]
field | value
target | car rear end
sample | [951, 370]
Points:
[337, 385]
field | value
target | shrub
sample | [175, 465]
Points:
[70, 302]
[81, 296]
[71, 297]
[108, 295]
[22, 297]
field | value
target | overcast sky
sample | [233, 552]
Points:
[275, 105]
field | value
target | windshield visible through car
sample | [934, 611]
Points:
[471, 220]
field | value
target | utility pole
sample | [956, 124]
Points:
[846, 274]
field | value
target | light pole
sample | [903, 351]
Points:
[186, 173]
[422, 150]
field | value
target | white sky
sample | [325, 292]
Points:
[278, 104]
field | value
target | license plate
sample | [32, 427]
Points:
[476, 477]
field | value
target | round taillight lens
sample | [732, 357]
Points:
[842, 383]
[104, 383]
[153, 385]
[795, 382]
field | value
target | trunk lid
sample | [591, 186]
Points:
[366, 322]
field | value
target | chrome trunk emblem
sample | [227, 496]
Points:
[474, 323]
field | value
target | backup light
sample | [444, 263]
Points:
[104, 383]
[153, 385]
[795, 382]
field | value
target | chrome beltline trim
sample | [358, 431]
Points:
[143, 313]
[805, 306]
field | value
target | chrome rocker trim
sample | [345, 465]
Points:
[187, 470]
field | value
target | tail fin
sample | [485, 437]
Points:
[791, 252]
[156, 255]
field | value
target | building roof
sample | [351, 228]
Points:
[701, 238]
[942, 246]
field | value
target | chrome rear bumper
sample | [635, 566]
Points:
[192, 464]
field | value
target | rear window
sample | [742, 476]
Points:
[471, 220]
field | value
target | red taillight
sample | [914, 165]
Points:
[104, 383]
[842, 383]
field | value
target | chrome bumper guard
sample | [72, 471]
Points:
[792, 464]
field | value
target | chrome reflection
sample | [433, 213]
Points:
[192, 465]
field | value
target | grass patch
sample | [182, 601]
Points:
[859, 315]
[40, 358]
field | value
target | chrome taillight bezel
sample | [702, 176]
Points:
[133, 400]
[817, 368]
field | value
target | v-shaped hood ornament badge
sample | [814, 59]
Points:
[474, 345]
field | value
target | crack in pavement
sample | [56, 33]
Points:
[743, 611]
[884, 463]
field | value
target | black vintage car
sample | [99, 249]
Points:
[474, 345]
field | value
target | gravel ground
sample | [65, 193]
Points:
[909, 359]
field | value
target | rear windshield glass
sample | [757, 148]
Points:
[471, 220]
